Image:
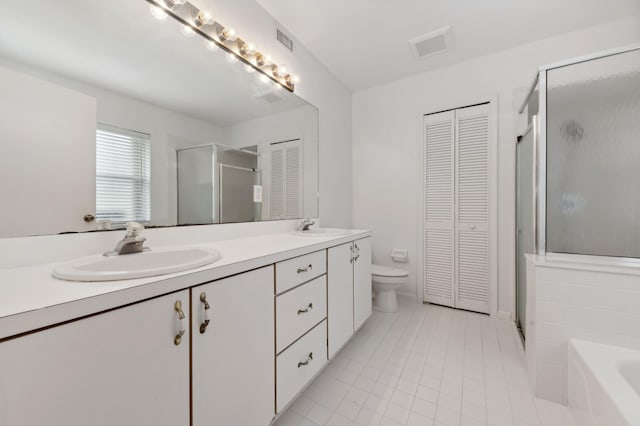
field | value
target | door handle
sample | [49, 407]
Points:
[306, 269]
[305, 310]
[306, 362]
[207, 318]
[181, 323]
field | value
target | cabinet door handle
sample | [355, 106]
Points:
[357, 251]
[305, 310]
[307, 269]
[181, 323]
[207, 317]
[352, 250]
[306, 362]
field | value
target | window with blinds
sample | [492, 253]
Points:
[123, 175]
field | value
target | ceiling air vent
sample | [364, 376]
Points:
[431, 43]
[284, 40]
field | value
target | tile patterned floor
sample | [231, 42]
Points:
[426, 365]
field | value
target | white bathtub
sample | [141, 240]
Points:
[604, 384]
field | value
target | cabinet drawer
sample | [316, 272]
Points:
[299, 363]
[295, 271]
[299, 310]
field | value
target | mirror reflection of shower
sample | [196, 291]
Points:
[219, 184]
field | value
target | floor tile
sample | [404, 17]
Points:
[426, 365]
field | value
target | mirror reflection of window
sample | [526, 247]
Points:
[123, 176]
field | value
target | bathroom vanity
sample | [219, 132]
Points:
[231, 343]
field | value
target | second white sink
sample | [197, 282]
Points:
[128, 266]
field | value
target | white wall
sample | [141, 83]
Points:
[387, 135]
[593, 302]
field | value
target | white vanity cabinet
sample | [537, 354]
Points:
[233, 372]
[348, 291]
[362, 303]
[121, 367]
[301, 323]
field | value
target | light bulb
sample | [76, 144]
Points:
[247, 49]
[295, 78]
[157, 12]
[267, 59]
[231, 58]
[228, 34]
[249, 69]
[282, 71]
[187, 31]
[203, 18]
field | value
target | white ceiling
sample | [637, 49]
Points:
[365, 42]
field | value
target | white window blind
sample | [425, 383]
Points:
[123, 175]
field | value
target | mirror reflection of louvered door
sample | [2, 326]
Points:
[286, 180]
[456, 197]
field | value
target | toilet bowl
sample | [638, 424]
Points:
[385, 281]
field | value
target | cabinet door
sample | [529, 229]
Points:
[339, 296]
[233, 370]
[361, 282]
[117, 368]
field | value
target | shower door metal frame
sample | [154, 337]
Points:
[535, 129]
[540, 81]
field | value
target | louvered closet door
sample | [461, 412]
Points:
[472, 208]
[439, 208]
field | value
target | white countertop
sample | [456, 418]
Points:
[30, 298]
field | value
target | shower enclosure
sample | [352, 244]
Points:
[578, 164]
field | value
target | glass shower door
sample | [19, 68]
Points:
[525, 216]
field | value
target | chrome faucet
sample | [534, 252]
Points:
[132, 241]
[305, 224]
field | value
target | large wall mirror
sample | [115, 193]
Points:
[107, 112]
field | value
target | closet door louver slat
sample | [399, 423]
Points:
[472, 208]
[439, 209]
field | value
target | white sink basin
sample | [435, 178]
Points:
[323, 232]
[139, 265]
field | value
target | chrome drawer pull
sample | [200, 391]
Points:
[307, 269]
[309, 358]
[207, 318]
[305, 310]
[181, 320]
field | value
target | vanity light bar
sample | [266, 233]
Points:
[200, 22]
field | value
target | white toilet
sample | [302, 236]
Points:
[386, 280]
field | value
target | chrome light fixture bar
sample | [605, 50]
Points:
[216, 34]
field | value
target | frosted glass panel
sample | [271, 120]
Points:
[593, 157]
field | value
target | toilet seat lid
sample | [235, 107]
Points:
[387, 271]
